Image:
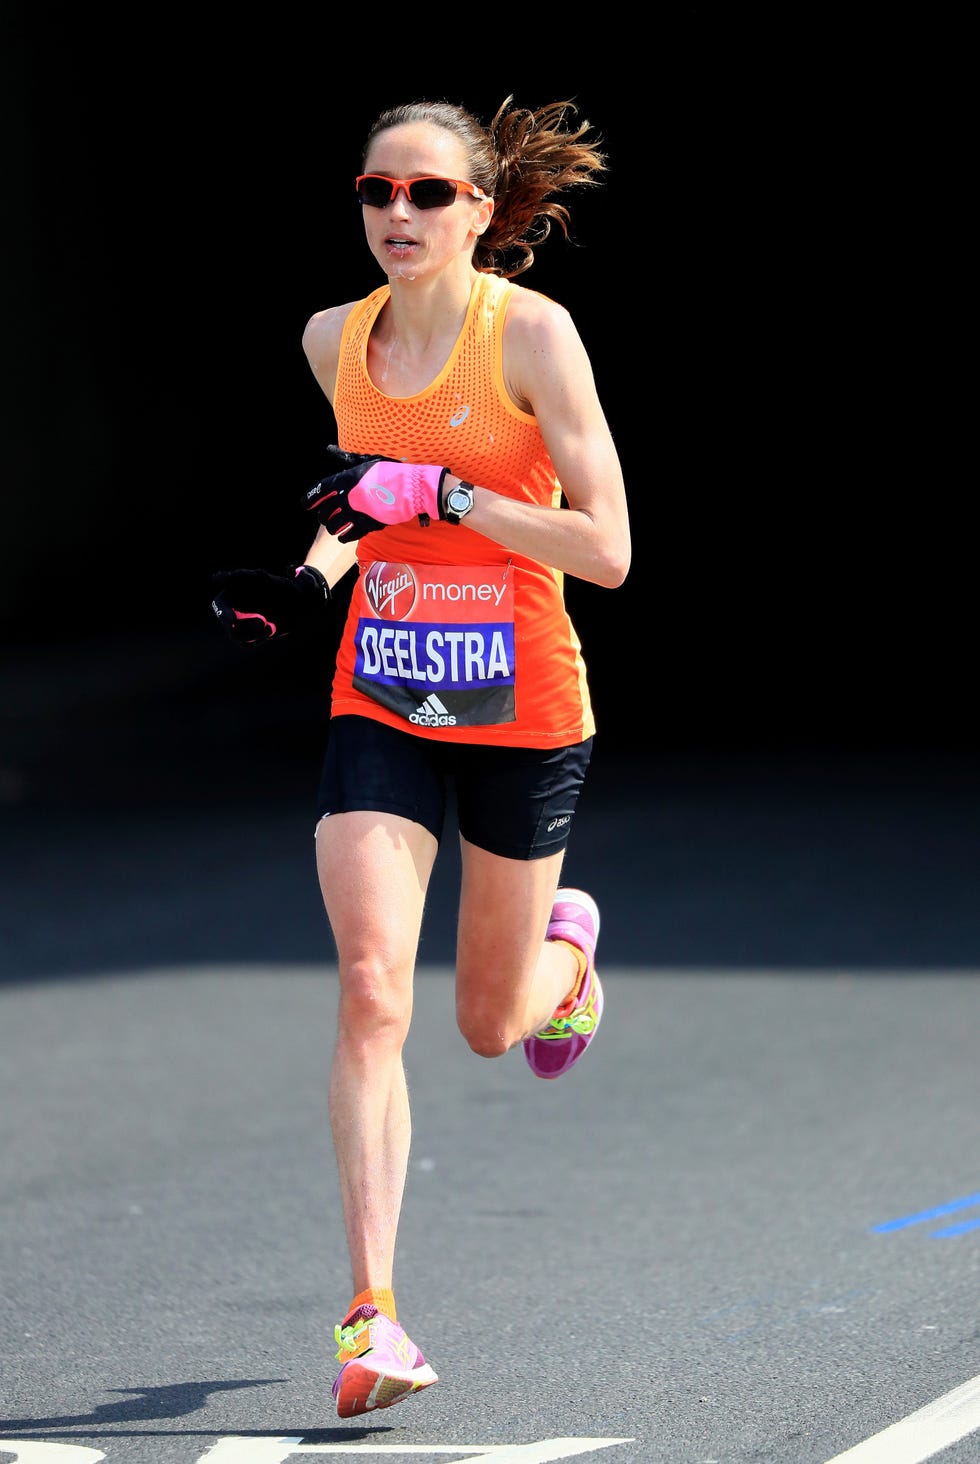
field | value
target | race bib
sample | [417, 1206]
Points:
[435, 643]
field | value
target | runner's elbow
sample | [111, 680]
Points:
[614, 567]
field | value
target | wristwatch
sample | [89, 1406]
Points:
[459, 501]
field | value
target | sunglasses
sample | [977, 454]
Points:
[377, 191]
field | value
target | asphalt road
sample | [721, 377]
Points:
[746, 1228]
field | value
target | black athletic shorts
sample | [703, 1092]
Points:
[517, 802]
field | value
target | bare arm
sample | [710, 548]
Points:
[330, 557]
[549, 373]
[321, 344]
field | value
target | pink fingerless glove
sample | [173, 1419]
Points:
[396, 492]
[374, 492]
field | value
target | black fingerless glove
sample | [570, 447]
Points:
[253, 605]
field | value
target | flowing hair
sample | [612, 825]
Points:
[524, 160]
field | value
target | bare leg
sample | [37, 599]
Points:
[509, 979]
[374, 871]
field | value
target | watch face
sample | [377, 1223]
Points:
[460, 501]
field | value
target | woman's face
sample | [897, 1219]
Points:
[409, 242]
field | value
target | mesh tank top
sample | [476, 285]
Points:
[448, 634]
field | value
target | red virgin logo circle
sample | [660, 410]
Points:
[390, 589]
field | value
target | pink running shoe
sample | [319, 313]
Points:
[559, 1045]
[381, 1365]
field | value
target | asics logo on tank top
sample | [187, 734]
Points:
[459, 417]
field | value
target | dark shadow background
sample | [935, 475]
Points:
[762, 300]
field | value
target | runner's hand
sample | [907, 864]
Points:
[365, 493]
[253, 605]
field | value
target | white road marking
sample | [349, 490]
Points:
[924, 1433]
[29, 1451]
[279, 1450]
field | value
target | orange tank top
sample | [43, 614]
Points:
[448, 634]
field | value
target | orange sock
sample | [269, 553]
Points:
[583, 966]
[378, 1296]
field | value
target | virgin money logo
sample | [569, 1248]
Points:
[391, 589]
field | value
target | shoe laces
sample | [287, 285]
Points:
[346, 1334]
[581, 1019]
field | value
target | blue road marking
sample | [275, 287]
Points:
[947, 1209]
[960, 1229]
